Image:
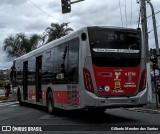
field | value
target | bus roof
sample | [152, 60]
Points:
[72, 35]
[50, 45]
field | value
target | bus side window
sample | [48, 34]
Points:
[73, 61]
[60, 63]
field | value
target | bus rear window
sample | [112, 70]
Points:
[111, 40]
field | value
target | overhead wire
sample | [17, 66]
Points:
[154, 13]
[153, 29]
[126, 12]
[43, 10]
[131, 13]
[121, 12]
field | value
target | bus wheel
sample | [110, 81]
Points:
[50, 103]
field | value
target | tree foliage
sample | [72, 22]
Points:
[20, 44]
[56, 31]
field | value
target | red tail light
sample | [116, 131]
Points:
[88, 80]
[143, 80]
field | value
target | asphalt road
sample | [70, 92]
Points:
[80, 121]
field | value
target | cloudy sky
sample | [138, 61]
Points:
[34, 16]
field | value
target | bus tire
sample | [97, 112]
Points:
[50, 103]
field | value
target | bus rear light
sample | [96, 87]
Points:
[88, 80]
[142, 81]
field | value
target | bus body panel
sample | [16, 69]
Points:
[113, 86]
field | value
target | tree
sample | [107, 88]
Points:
[20, 44]
[56, 31]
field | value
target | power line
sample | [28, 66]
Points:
[126, 12]
[43, 10]
[154, 13]
[121, 12]
[153, 29]
[131, 13]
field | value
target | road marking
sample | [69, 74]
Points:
[8, 103]
[52, 117]
[15, 105]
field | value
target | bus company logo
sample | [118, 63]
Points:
[6, 128]
[117, 74]
[101, 88]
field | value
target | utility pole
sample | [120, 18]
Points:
[144, 28]
[154, 27]
[145, 46]
[157, 45]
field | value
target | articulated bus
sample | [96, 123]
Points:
[92, 68]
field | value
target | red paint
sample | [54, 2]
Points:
[121, 81]
[32, 95]
[67, 97]
[60, 97]
[43, 95]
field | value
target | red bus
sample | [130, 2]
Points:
[92, 68]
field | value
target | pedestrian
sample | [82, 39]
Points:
[7, 88]
[158, 89]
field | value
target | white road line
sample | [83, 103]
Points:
[14, 105]
[8, 103]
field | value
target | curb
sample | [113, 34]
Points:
[7, 99]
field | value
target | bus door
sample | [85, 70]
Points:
[25, 80]
[39, 79]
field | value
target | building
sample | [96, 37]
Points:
[4, 76]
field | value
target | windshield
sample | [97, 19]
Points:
[115, 47]
[111, 40]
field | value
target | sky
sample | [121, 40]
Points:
[34, 16]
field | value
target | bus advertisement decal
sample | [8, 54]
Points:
[44, 95]
[71, 98]
[124, 81]
[32, 95]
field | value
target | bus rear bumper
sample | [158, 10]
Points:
[114, 102]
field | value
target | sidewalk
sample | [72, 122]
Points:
[149, 108]
[153, 105]
[3, 98]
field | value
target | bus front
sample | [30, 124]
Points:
[117, 75]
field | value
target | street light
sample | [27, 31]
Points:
[154, 27]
